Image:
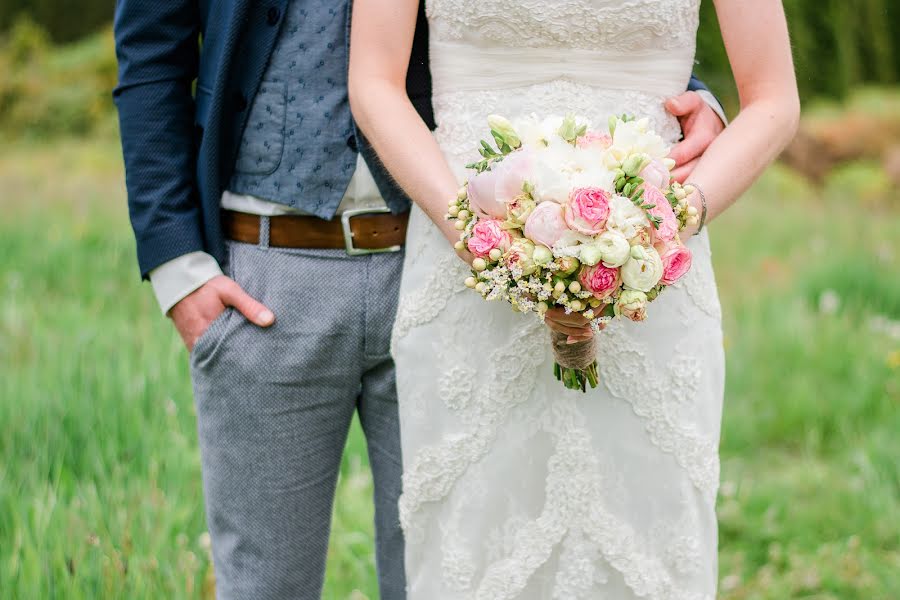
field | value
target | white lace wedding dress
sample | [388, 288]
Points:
[515, 487]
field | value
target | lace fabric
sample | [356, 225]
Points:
[514, 487]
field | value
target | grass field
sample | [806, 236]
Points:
[99, 472]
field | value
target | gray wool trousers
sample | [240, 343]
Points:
[273, 411]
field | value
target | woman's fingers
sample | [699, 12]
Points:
[568, 329]
[572, 319]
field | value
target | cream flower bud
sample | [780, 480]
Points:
[471, 282]
[634, 164]
[590, 254]
[542, 307]
[560, 287]
[568, 265]
[453, 211]
[464, 214]
[542, 255]
[459, 246]
[505, 129]
[680, 194]
[595, 302]
[574, 287]
[632, 304]
[576, 305]
[479, 264]
[496, 254]
[642, 273]
[462, 193]
[692, 211]
[638, 252]
[614, 248]
[481, 287]
[455, 202]
[460, 224]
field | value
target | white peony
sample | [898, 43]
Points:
[643, 273]
[625, 218]
[614, 247]
[635, 137]
[550, 183]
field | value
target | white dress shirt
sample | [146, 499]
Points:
[177, 278]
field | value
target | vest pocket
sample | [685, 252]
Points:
[262, 144]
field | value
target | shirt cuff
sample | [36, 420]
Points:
[174, 280]
[714, 104]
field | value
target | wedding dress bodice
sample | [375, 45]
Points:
[593, 58]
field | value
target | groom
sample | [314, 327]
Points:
[272, 238]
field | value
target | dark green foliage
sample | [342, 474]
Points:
[65, 20]
[837, 45]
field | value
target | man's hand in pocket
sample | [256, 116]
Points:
[195, 312]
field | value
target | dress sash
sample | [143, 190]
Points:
[460, 67]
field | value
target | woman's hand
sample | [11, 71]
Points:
[573, 325]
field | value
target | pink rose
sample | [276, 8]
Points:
[599, 280]
[594, 138]
[587, 210]
[656, 174]
[487, 235]
[676, 259]
[546, 224]
[668, 228]
[490, 191]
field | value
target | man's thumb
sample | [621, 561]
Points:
[681, 105]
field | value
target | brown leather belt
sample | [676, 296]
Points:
[357, 231]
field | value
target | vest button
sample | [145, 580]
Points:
[240, 102]
[351, 143]
[272, 16]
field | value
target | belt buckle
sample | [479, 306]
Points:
[348, 233]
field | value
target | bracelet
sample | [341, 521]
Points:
[702, 207]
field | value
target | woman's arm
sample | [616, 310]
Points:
[380, 44]
[756, 38]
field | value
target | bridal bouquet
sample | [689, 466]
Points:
[559, 214]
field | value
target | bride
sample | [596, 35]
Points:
[515, 487]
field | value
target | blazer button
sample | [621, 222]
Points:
[351, 143]
[272, 16]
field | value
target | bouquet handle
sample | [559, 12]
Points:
[576, 364]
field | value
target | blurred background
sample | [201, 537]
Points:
[100, 493]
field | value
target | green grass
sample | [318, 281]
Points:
[100, 492]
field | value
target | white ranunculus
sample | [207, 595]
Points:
[614, 247]
[625, 218]
[643, 274]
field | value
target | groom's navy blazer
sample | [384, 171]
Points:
[180, 146]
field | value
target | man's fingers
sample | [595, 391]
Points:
[255, 312]
[684, 104]
[682, 173]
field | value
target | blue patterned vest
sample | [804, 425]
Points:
[300, 145]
